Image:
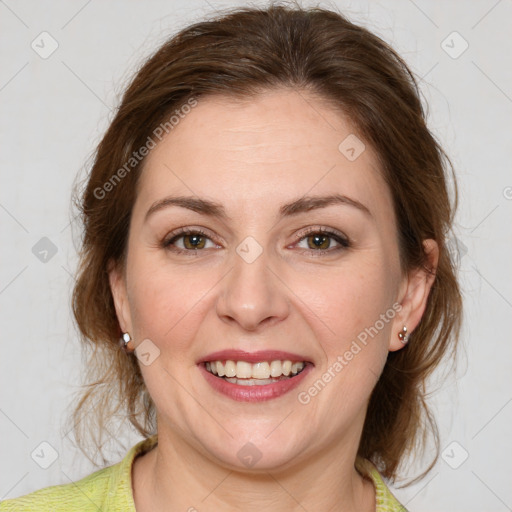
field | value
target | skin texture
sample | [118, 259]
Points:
[252, 157]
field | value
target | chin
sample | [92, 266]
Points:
[257, 452]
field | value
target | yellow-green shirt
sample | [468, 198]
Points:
[110, 489]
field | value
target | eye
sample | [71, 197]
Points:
[321, 240]
[188, 240]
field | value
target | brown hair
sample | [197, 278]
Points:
[240, 54]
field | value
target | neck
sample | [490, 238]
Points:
[175, 476]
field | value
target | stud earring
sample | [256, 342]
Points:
[403, 336]
[126, 343]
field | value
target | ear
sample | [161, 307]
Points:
[414, 291]
[118, 288]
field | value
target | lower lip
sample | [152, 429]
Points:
[254, 393]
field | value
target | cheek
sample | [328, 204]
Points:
[352, 324]
[166, 304]
[353, 304]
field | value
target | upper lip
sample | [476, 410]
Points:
[252, 357]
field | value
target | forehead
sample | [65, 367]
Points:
[264, 149]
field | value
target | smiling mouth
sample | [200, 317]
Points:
[255, 374]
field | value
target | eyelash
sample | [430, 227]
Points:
[176, 235]
[343, 242]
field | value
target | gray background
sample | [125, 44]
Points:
[54, 111]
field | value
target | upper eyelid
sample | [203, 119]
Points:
[297, 233]
[319, 229]
[184, 231]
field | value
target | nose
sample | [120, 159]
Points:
[252, 295]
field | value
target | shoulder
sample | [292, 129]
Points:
[385, 501]
[107, 489]
[85, 494]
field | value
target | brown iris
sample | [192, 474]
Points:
[318, 241]
[194, 241]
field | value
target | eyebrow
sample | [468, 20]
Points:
[308, 203]
[195, 204]
[214, 209]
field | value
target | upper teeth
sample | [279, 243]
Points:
[245, 370]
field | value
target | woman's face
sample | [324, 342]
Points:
[289, 254]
